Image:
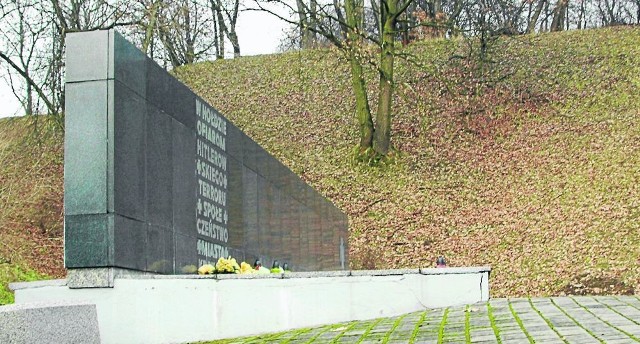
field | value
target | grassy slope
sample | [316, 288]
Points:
[536, 175]
[31, 202]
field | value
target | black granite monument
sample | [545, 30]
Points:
[157, 180]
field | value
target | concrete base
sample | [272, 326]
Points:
[177, 309]
[50, 322]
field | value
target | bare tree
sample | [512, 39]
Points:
[225, 15]
[178, 32]
[32, 35]
[33, 32]
[21, 30]
[533, 20]
[148, 24]
[73, 16]
[184, 28]
[374, 135]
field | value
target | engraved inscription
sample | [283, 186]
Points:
[212, 177]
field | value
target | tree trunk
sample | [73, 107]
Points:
[610, 11]
[382, 134]
[151, 25]
[306, 38]
[233, 38]
[29, 104]
[353, 10]
[337, 6]
[453, 18]
[189, 55]
[581, 15]
[231, 29]
[312, 22]
[221, 29]
[375, 8]
[557, 24]
[363, 112]
[216, 36]
[534, 19]
[437, 7]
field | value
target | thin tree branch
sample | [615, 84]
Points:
[28, 79]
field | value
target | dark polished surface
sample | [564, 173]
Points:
[157, 180]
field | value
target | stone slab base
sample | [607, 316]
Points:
[50, 322]
[188, 308]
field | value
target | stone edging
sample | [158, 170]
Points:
[125, 274]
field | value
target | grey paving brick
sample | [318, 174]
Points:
[546, 334]
[486, 337]
[632, 329]
[355, 332]
[423, 337]
[488, 341]
[513, 337]
[348, 339]
[503, 317]
[496, 303]
[620, 341]
[515, 341]
[571, 330]
[454, 328]
[405, 328]
[398, 335]
[535, 328]
[480, 324]
[427, 340]
[482, 331]
[511, 328]
[581, 339]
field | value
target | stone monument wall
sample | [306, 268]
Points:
[157, 180]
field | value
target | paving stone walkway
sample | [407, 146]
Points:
[577, 319]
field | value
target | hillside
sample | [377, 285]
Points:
[31, 173]
[535, 174]
[529, 162]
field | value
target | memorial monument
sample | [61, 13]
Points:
[157, 180]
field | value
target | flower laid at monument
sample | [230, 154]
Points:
[261, 269]
[276, 268]
[223, 266]
[227, 266]
[206, 269]
[230, 266]
[245, 268]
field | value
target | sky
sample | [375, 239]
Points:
[259, 33]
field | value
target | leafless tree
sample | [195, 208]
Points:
[225, 16]
[32, 45]
[353, 39]
[21, 31]
[185, 31]
[32, 38]
[178, 32]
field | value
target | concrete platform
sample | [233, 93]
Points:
[189, 308]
